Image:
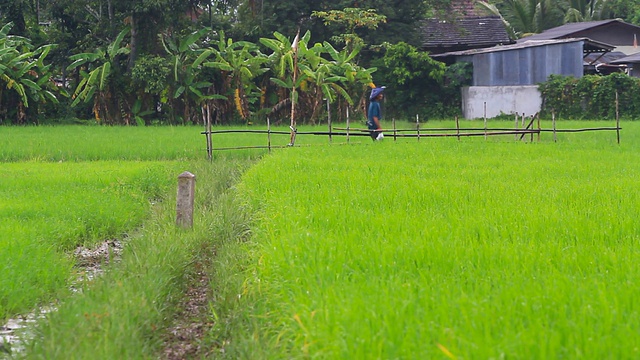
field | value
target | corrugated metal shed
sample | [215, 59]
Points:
[527, 63]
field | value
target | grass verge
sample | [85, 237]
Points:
[122, 314]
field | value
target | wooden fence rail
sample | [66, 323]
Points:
[417, 132]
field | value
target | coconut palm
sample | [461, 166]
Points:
[581, 10]
[523, 17]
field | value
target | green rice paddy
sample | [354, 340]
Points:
[444, 249]
[407, 249]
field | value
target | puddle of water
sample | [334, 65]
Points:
[18, 331]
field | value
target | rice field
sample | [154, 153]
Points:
[437, 248]
[49, 209]
[441, 249]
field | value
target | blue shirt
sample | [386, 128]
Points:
[374, 110]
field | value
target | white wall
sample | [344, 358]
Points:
[500, 100]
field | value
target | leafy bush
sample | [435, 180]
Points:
[591, 97]
[419, 84]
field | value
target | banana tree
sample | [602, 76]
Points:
[239, 63]
[23, 71]
[97, 70]
[354, 78]
[281, 63]
[187, 57]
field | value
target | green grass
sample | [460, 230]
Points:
[496, 247]
[67, 186]
[478, 249]
[122, 314]
[48, 209]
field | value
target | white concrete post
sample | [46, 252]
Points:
[184, 200]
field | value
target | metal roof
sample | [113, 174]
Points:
[589, 47]
[603, 58]
[568, 30]
[633, 58]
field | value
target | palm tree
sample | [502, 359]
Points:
[523, 17]
[581, 10]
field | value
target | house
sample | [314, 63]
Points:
[462, 28]
[615, 32]
[505, 77]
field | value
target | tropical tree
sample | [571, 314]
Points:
[262, 18]
[240, 64]
[24, 73]
[586, 10]
[628, 10]
[415, 80]
[524, 17]
[351, 19]
[186, 56]
[283, 62]
[356, 79]
[100, 71]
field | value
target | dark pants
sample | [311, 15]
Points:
[374, 134]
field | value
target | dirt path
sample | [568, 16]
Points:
[183, 338]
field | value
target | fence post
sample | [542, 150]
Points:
[553, 120]
[394, 129]
[347, 124]
[418, 126]
[532, 120]
[208, 133]
[184, 200]
[458, 127]
[618, 117]
[269, 134]
[539, 126]
[485, 120]
[516, 136]
[329, 119]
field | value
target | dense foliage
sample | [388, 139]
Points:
[524, 17]
[420, 85]
[592, 96]
[175, 61]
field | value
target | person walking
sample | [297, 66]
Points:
[374, 115]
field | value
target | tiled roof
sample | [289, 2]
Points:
[468, 32]
[570, 29]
